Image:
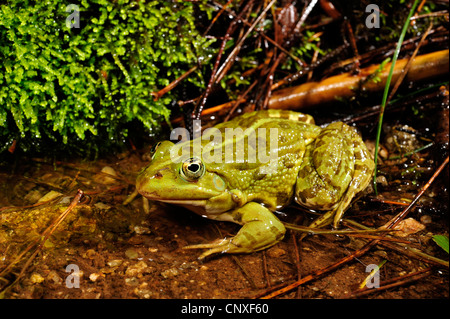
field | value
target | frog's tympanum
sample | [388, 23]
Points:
[245, 169]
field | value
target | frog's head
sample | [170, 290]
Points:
[186, 182]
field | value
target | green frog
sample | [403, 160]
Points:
[246, 169]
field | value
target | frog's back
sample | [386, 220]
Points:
[261, 118]
[281, 138]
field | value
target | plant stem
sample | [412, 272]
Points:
[386, 89]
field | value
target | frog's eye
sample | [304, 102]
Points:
[192, 169]
[154, 148]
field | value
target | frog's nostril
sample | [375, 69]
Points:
[158, 175]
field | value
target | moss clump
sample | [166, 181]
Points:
[79, 88]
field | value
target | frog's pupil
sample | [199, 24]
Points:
[194, 167]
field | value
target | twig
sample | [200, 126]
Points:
[40, 242]
[202, 101]
[297, 263]
[394, 282]
[173, 84]
[231, 56]
[401, 247]
[356, 254]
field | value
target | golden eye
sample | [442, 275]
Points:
[192, 169]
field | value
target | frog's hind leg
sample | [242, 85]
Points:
[363, 172]
[336, 167]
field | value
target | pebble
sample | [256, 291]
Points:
[33, 196]
[136, 269]
[382, 180]
[275, 252]
[133, 281]
[49, 196]
[53, 276]
[102, 206]
[106, 179]
[426, 219]
[408, 226]
[143, 293]
[169, 273]
[115, 263]
[94, 276]
[36, 278]
[90, 254]
[141, 230]
[131, 253]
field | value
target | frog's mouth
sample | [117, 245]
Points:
[185, 202]
[176, 201]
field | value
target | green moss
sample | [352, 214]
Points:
[81, 87]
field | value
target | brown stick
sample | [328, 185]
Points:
[311, 94]
[317, 93]
[395, 282]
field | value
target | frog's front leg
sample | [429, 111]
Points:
[260, 230]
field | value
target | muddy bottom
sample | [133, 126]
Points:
[107, 249]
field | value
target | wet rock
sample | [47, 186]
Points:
[275, 252]
[95, 276]
[131, 253]
[143, 293]
[115, 263]
[426, 219]
[36, 278]
[408, 226]
[169, 273]
[104, 178]
[54, 277]
[137, 269]
[49, 196]
[133, 281]
[33, 196]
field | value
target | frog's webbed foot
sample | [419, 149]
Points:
[260, 230]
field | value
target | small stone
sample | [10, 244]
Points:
[408, 226]
[169, 273]
[90, 254]
[143, 293]
[94, 276]
[115, 263]
[140, 230]
[382, 180]
[102, 206]
[136, 269]
[36, 278]
[275, 252]
[33, 196]
[53, 276]
[131, 253]
[133, 281]
[110, 171]
[49, 196]
[426, 219]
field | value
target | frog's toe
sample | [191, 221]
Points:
[224, 245]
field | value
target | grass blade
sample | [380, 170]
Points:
[386, 89]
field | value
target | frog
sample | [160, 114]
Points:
[218, 175]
